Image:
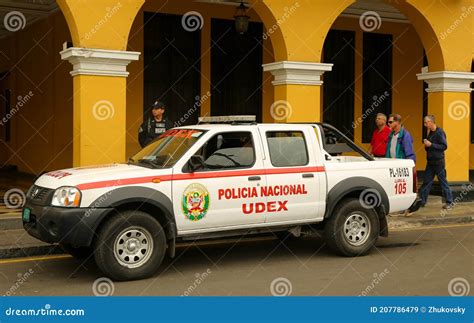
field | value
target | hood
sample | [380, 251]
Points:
[81, 176]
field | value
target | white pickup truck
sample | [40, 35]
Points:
[215, 180]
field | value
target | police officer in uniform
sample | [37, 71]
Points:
[155, 125]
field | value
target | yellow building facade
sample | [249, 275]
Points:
[83, 70]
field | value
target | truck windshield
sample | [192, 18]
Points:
[167, 149]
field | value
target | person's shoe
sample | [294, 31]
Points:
[448, 206]
[422, 204]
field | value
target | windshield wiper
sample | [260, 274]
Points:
[148, 162]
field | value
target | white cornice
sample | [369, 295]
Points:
[447, 81]
[89, 61]
[290, 72]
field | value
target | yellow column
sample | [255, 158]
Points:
[451, 110]
[99, 30]
[448, 101]
[296, 103]
[98, 120]
[297, 90]
[206, 67]
[99, 104]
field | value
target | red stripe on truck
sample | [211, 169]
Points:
[194, 176]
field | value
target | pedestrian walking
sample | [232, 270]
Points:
[400, 142]
[435, 145]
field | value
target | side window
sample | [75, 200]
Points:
[287, 148]
[228, 150]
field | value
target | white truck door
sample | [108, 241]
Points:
[294, 174]
[225, 191]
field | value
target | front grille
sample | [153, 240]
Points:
[41, 195]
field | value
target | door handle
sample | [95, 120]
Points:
[308, 175]
[254, 178]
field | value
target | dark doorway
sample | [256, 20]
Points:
[5, 117]
[236, 69]
[376, 80]
[172, 67]
[338, 87]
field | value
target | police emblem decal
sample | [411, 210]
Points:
[195, 202]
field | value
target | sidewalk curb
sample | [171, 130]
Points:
[30, 251]
[11, 221]
[403, 222]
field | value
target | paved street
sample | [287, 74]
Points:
[412, 262]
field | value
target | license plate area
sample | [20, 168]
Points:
[26, 215]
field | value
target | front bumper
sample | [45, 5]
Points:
[75, 226]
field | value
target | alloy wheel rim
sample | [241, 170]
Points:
[133, 247]
[357, 229]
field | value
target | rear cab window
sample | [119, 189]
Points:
[287, 148]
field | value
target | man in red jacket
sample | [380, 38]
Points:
[378, 144]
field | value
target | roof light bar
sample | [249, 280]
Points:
[229, 119]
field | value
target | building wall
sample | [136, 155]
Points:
[41, 128]
[135, 79]
[407, 92]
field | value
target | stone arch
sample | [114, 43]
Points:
[302, 36]
[422, 25]
[105, 26]
[272, 26]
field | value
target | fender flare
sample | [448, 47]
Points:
[348, 187]
[137, 194]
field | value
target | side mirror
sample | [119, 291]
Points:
[196, 162]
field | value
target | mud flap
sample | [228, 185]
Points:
[171, 250]
[171, 242]
[383, 221]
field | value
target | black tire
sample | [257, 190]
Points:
[80, 253]
[344, 241]
[115, 264]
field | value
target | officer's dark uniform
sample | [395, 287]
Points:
[151, 129]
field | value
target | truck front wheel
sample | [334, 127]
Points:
[130, 245]
[353, 229]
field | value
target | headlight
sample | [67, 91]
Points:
[66, 196]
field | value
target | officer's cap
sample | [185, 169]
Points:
[158, 105]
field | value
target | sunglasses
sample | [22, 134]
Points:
[390, 122]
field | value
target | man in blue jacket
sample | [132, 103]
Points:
[435, 145]
[400, 142]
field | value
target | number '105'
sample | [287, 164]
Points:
[400, 188]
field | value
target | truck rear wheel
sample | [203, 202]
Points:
[130, 245]
[353, 229]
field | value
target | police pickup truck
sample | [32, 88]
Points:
[222, 177]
